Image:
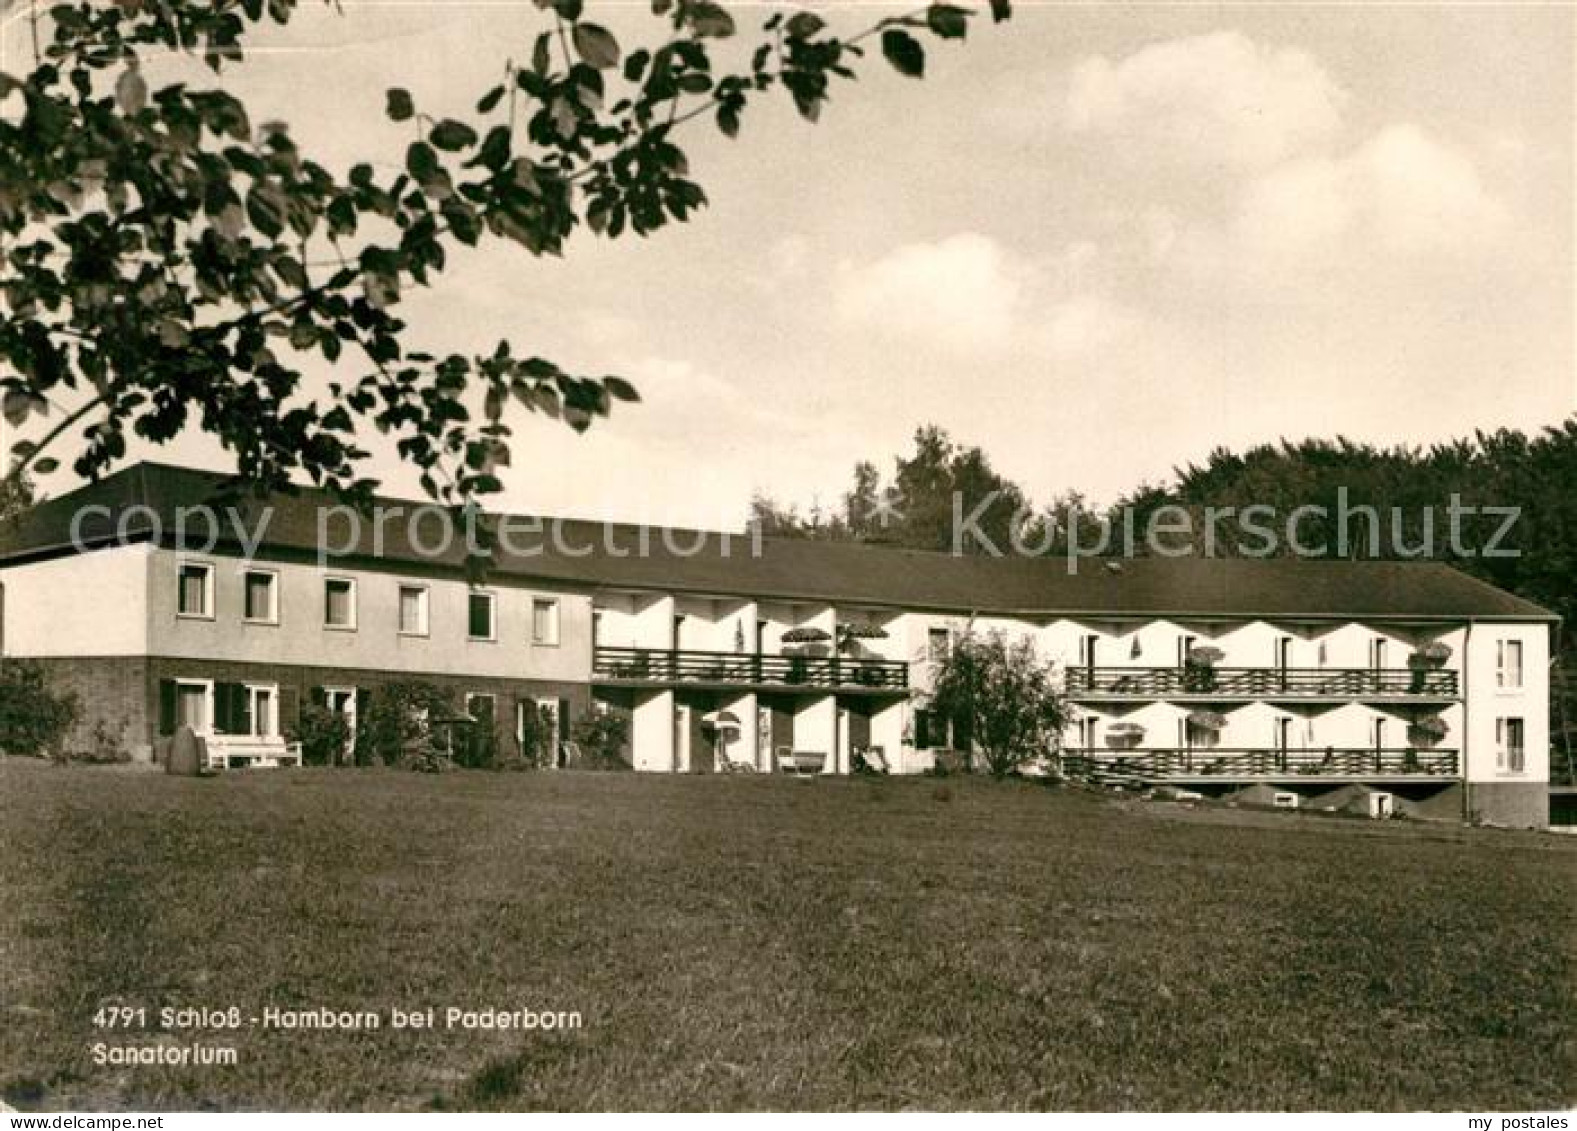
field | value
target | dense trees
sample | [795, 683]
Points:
[169, 261]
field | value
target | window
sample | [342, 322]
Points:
[1508, 664]
[1283, 735]
[413, 610]
[191, 706]
[1283, 652]
[1377, 655]
[260, 596]
[195, 597]
[339, 602]
[479, 616]
[545, 621]
[480, 705]
[938, 643]
[1510, 751]
[1377, 730]
[1089, 733]
[262, 711]
[1088, 646]
[1185, 645]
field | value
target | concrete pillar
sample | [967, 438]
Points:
[816, 728]
[652, 732]
[887, 732]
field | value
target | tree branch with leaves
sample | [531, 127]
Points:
[169, 262]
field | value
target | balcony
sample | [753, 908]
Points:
[1233, 764]
[667, 667]
[1261, 683]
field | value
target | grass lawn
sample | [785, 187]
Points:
[749, 942]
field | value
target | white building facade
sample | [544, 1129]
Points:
[756, 656]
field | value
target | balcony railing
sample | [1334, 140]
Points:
[688, 665]
[1201, 762]
[1342, 683]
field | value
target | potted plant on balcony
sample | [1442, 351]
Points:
[1427, 731]
[1199, 667]
[1430, 657]
[1125, 736]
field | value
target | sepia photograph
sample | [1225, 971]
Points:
[658, 556]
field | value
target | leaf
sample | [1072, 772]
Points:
[451, 135]
[948, 21]
[711, 20]
[489, 100]
[597, 46]
[1001, 10]
[131, 92]
[400, 107]
[620, 389]
[265, 207]
[15, 406]
[901, 50]
[803, 25]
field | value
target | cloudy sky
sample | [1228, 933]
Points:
[1096, 241]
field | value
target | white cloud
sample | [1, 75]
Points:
[1400, 192]
[963, 291]
[1217, 99]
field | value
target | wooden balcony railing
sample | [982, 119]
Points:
[1200, 762]
[688, 665]
[1344, 683]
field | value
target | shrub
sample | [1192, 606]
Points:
[399, 729]
[1003, 694]
[33, 719]
[478, 746]
[538, 738]
[323, 734]
[602, 736]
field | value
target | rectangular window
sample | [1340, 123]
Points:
[195, 597]
[262, 711]
[261, 596]
[1185, 645]
[1088, 647]
[544, 621]
[479, 616]
[1377, 655]
[339, 602]
[191, 706]
[1510, 751]
[1377, 730]
[1508, 664]
[480, 705]
[1283, 652]
[413, 610]
[1283, 735]
[938, 642]
[1089, 733]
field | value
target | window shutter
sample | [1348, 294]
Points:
[166, 706]
[289, 709]
[224, 708]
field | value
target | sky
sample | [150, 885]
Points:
[1097, 241]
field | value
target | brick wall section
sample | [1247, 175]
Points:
[123, 693]
[110, 690]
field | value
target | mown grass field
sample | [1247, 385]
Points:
[747, 942]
